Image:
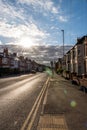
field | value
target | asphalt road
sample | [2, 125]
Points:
[17, 96]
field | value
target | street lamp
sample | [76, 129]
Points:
[63, 41]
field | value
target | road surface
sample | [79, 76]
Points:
[17, 96]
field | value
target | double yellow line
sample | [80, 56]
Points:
[34, 109]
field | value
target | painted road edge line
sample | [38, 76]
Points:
[35, 112]
[45, 99]
[34, 106]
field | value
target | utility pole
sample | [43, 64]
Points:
[63, 42]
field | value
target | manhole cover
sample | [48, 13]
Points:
[52, 122]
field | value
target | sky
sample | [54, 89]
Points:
[39, 22]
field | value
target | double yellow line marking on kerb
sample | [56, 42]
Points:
[34, 109]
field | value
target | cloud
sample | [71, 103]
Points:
[8, 30]
[63, 18]
[20, 24]
[0, 43]
[22, 33]
[10, 12]
[12, 28]
[47, 6]
[54, 27]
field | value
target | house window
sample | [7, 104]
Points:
[86, 49]
[78, 52]
[74, 67]
[84, 67]
[79, 70]
[73, 54]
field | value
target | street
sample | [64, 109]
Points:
[17, 96]
[27, 104]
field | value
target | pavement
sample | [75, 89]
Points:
[64, 106]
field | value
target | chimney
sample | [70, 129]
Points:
[14, 54]
[78, 39]
[6, 51]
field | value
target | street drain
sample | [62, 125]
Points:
[52, 122]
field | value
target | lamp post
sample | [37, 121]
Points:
[63, 41]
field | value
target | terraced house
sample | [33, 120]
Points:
[74, 63]
[75, 60]
[11, 63]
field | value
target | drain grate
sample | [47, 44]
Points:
[52, 122]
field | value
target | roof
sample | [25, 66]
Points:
[80, 40]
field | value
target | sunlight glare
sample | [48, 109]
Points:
[26, 42]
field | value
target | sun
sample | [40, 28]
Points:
[26, 42]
